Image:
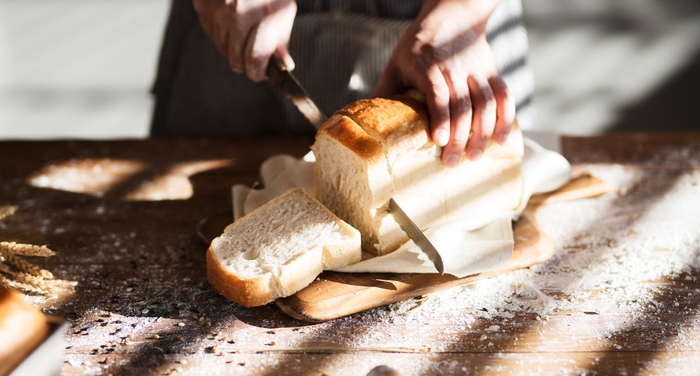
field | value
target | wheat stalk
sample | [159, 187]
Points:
[34, 281]
[6, 269]
[6, 211]
[15, 285]
[26, 266]
[30, 277]
[25, 249]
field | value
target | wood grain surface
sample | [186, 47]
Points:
[122, 216]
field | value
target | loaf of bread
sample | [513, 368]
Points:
[22, 329]
[375, 149]
[278, 249]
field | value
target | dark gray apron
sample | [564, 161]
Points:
[340, 48]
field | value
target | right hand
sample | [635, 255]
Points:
[445, 55]
[249, 32]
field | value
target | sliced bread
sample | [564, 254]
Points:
[375, 149]
[278, 249]
[22, 328]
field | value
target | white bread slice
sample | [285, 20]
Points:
[278, 249]
[375, 149]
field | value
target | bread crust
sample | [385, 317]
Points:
[291, 276]
[346, 131]
[22, 328]
[247, 292]
[394, 122]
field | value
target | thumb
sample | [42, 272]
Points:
[286, 58]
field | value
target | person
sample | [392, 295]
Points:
[459, 53]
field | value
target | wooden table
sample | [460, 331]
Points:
[620, 296]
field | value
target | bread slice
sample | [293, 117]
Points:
[22, 328]
[278, 249]
[379, 148]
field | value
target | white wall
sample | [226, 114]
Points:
[78, 68]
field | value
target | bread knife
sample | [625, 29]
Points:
[284, 81]
[418, 237]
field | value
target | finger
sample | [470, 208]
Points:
[239, 22]
[286, 57]
[460, 118]
[285, 23]
[505, 109]
[271, 34]
[437, 96]
[259, 47]
[484, 119]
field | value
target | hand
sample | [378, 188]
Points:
[444, 54]
[248, 32]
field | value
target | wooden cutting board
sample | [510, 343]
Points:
[333, 295]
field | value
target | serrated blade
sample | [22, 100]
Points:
[416, 235]
[284, 80]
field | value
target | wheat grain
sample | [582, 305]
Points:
[26, 266]
[26, 249]
[19, 286]
[6, 211]
[36, 282]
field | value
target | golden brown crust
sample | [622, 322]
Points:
[351, 136]
[386, 119]
[241, 291]
[22, 328]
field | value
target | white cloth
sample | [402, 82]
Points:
[467, 246]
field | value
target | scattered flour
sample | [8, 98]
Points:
[620, 247]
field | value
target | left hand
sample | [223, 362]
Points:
[444, 54]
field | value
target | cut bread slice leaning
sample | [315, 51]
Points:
[278, 249]
[375, 149]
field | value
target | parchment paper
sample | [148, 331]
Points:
[467, 246]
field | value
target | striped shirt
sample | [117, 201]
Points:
[340, 48]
